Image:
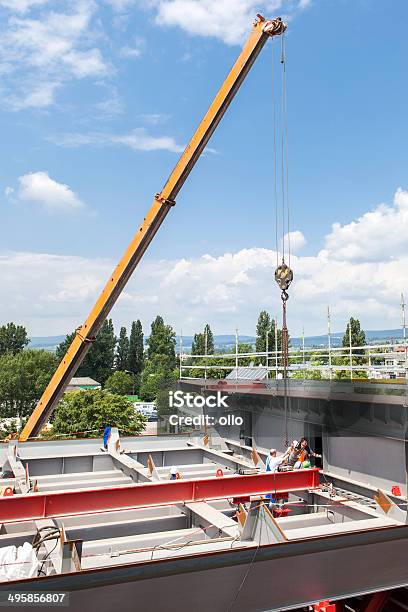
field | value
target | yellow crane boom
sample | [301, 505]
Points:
[162, 203]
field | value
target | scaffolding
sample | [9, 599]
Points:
[370, 361]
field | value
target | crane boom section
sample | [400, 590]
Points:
[161, 205]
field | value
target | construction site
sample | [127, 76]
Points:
[271, 493]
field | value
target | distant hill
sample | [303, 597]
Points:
[222, 342]
[372, 336]
[49, 343]
[226, 342]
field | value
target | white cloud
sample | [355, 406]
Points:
[130, 52]
[21, 6]
[43, 52]
[377, 235]
[40, 188]
[294, 241]
[37, 95]
[228, 20]
[138, 139]
[154, 118]
[112, 105]
[121, 5]
[46, 293]
[8, 191]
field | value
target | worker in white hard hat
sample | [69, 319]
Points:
[173, 472]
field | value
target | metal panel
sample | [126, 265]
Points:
[379, 462]
[247, 373]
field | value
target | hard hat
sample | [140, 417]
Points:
[273, 451]
[295, 443]
[173, 470]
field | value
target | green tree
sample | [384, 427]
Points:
[161, 362]
[122, 351]
[99, 361]
[87, 413]
[13, 338]
[23, 378]
[157, 376]
[120, 383]
[266, 327]
[263, 327]
[162, 342]
[136, 348]
[307, 375]
[357, 336]
[357, 339]
[199, 347]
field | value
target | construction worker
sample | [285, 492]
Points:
[272, 461]
[106, 436]
[174, 473]
[271, 465]
[289, 450]
[300, 456]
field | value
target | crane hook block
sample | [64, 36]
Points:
[283, 276]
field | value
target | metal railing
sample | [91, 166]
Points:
[373, 361]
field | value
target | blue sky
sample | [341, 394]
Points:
[98, 98]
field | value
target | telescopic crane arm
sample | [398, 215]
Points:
[161, 205]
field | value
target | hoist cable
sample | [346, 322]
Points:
[282, 153]
[275, 162]
[283, 273]
[286, 147]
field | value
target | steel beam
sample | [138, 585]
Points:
[220, 458]
[17, 468]
[377, 601]
[66, 503]
[130, 467]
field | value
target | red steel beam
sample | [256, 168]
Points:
[377, 601]
[65, 503]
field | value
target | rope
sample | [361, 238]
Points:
[241, 586]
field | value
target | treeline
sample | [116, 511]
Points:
[110, 354]
[353, 336]
[203, 344]
[122, 364]
[127, 365]
[24, 374]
